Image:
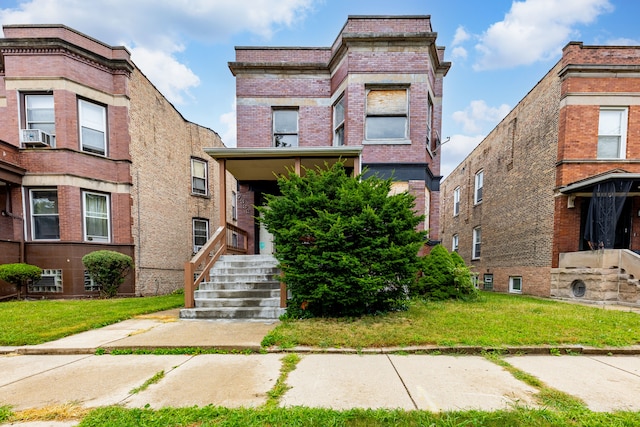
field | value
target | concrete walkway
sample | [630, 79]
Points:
[68, 370]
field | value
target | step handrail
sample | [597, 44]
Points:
[215, 247]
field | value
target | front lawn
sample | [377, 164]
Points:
[494, 320]
[35, 322]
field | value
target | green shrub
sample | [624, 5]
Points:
[19, 274]
[345, 247]
[445, 276]
[108, 270]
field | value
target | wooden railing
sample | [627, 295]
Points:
[229, 239]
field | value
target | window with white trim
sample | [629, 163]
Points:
[612, 133]
[456, 201]
[387, 114]
[477, 243]
[285, 128]
[479, 184]
[199, 177]
[40, 114]
[96, 217]
[45, 221]
[454, 243]
[338, 122]
[200, 233]
[515, 284]
[50, 282]
[93, 127]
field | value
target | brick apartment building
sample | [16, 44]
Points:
[372, 99]
[548, 201]
[93, 157]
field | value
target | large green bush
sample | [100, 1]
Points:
[445, 276]
[345, 246]
[20, 275]
[108, 270]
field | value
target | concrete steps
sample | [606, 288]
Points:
[241, 287]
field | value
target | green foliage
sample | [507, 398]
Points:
[445, 276]
[346, 247]
[108, 270]
[19, 274]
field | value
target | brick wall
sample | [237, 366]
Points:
[516, 214]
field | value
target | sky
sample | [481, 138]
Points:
[499, 49]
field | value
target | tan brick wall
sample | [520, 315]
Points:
[162, 145]
[516, 215]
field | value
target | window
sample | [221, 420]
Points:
[199, 184]
[515, 284]
[612, 133]
[454, 243]
[431, 141]
[93, 127]
[479, 183]
[96, 217]
[45, 222]
[456, 201]
[39, 114]
[338, 122]
[234, 205]
[386, 114]
[285, 128]
[200, 233]
[477, 242]
[488, 282]
[89, 284]
[50, 281]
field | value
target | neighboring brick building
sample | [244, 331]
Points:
[373, 99]
[93, 157]
[521, 200]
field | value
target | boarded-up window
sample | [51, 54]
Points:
[386, 114]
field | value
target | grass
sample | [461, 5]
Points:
[35, 322]
[494, 320]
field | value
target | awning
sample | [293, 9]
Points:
[264, 164]
[587, 185]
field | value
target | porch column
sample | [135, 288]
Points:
[222, 191]
[298, 167]
[356, 166]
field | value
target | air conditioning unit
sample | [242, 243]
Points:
[35, 138]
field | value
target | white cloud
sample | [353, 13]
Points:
[622, 42]
[478, 115]
[535, 30]
[460, 36]
[156, 30]
[455, 151]
[459, 52]
[228, 120]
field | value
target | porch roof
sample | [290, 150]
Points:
[264, 164]
[586, 185]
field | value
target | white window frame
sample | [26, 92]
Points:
[103, 216]
[197, 247]
[276, 132]
[455, 240]
[338, 122]
[456, 201]
[197, 178]
[512, 282]
[34, 215]
[478, 187]
[477, 243]
[610, 133]
[34, 124]
[404, 139]
[96, 126]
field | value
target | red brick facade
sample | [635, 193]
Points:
[540, 166]
[144, 173]
[370, 53]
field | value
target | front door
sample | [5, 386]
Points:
[265, 240]
[623, 226]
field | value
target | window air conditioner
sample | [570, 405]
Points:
[35, 138]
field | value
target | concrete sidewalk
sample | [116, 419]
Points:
[68, 370]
